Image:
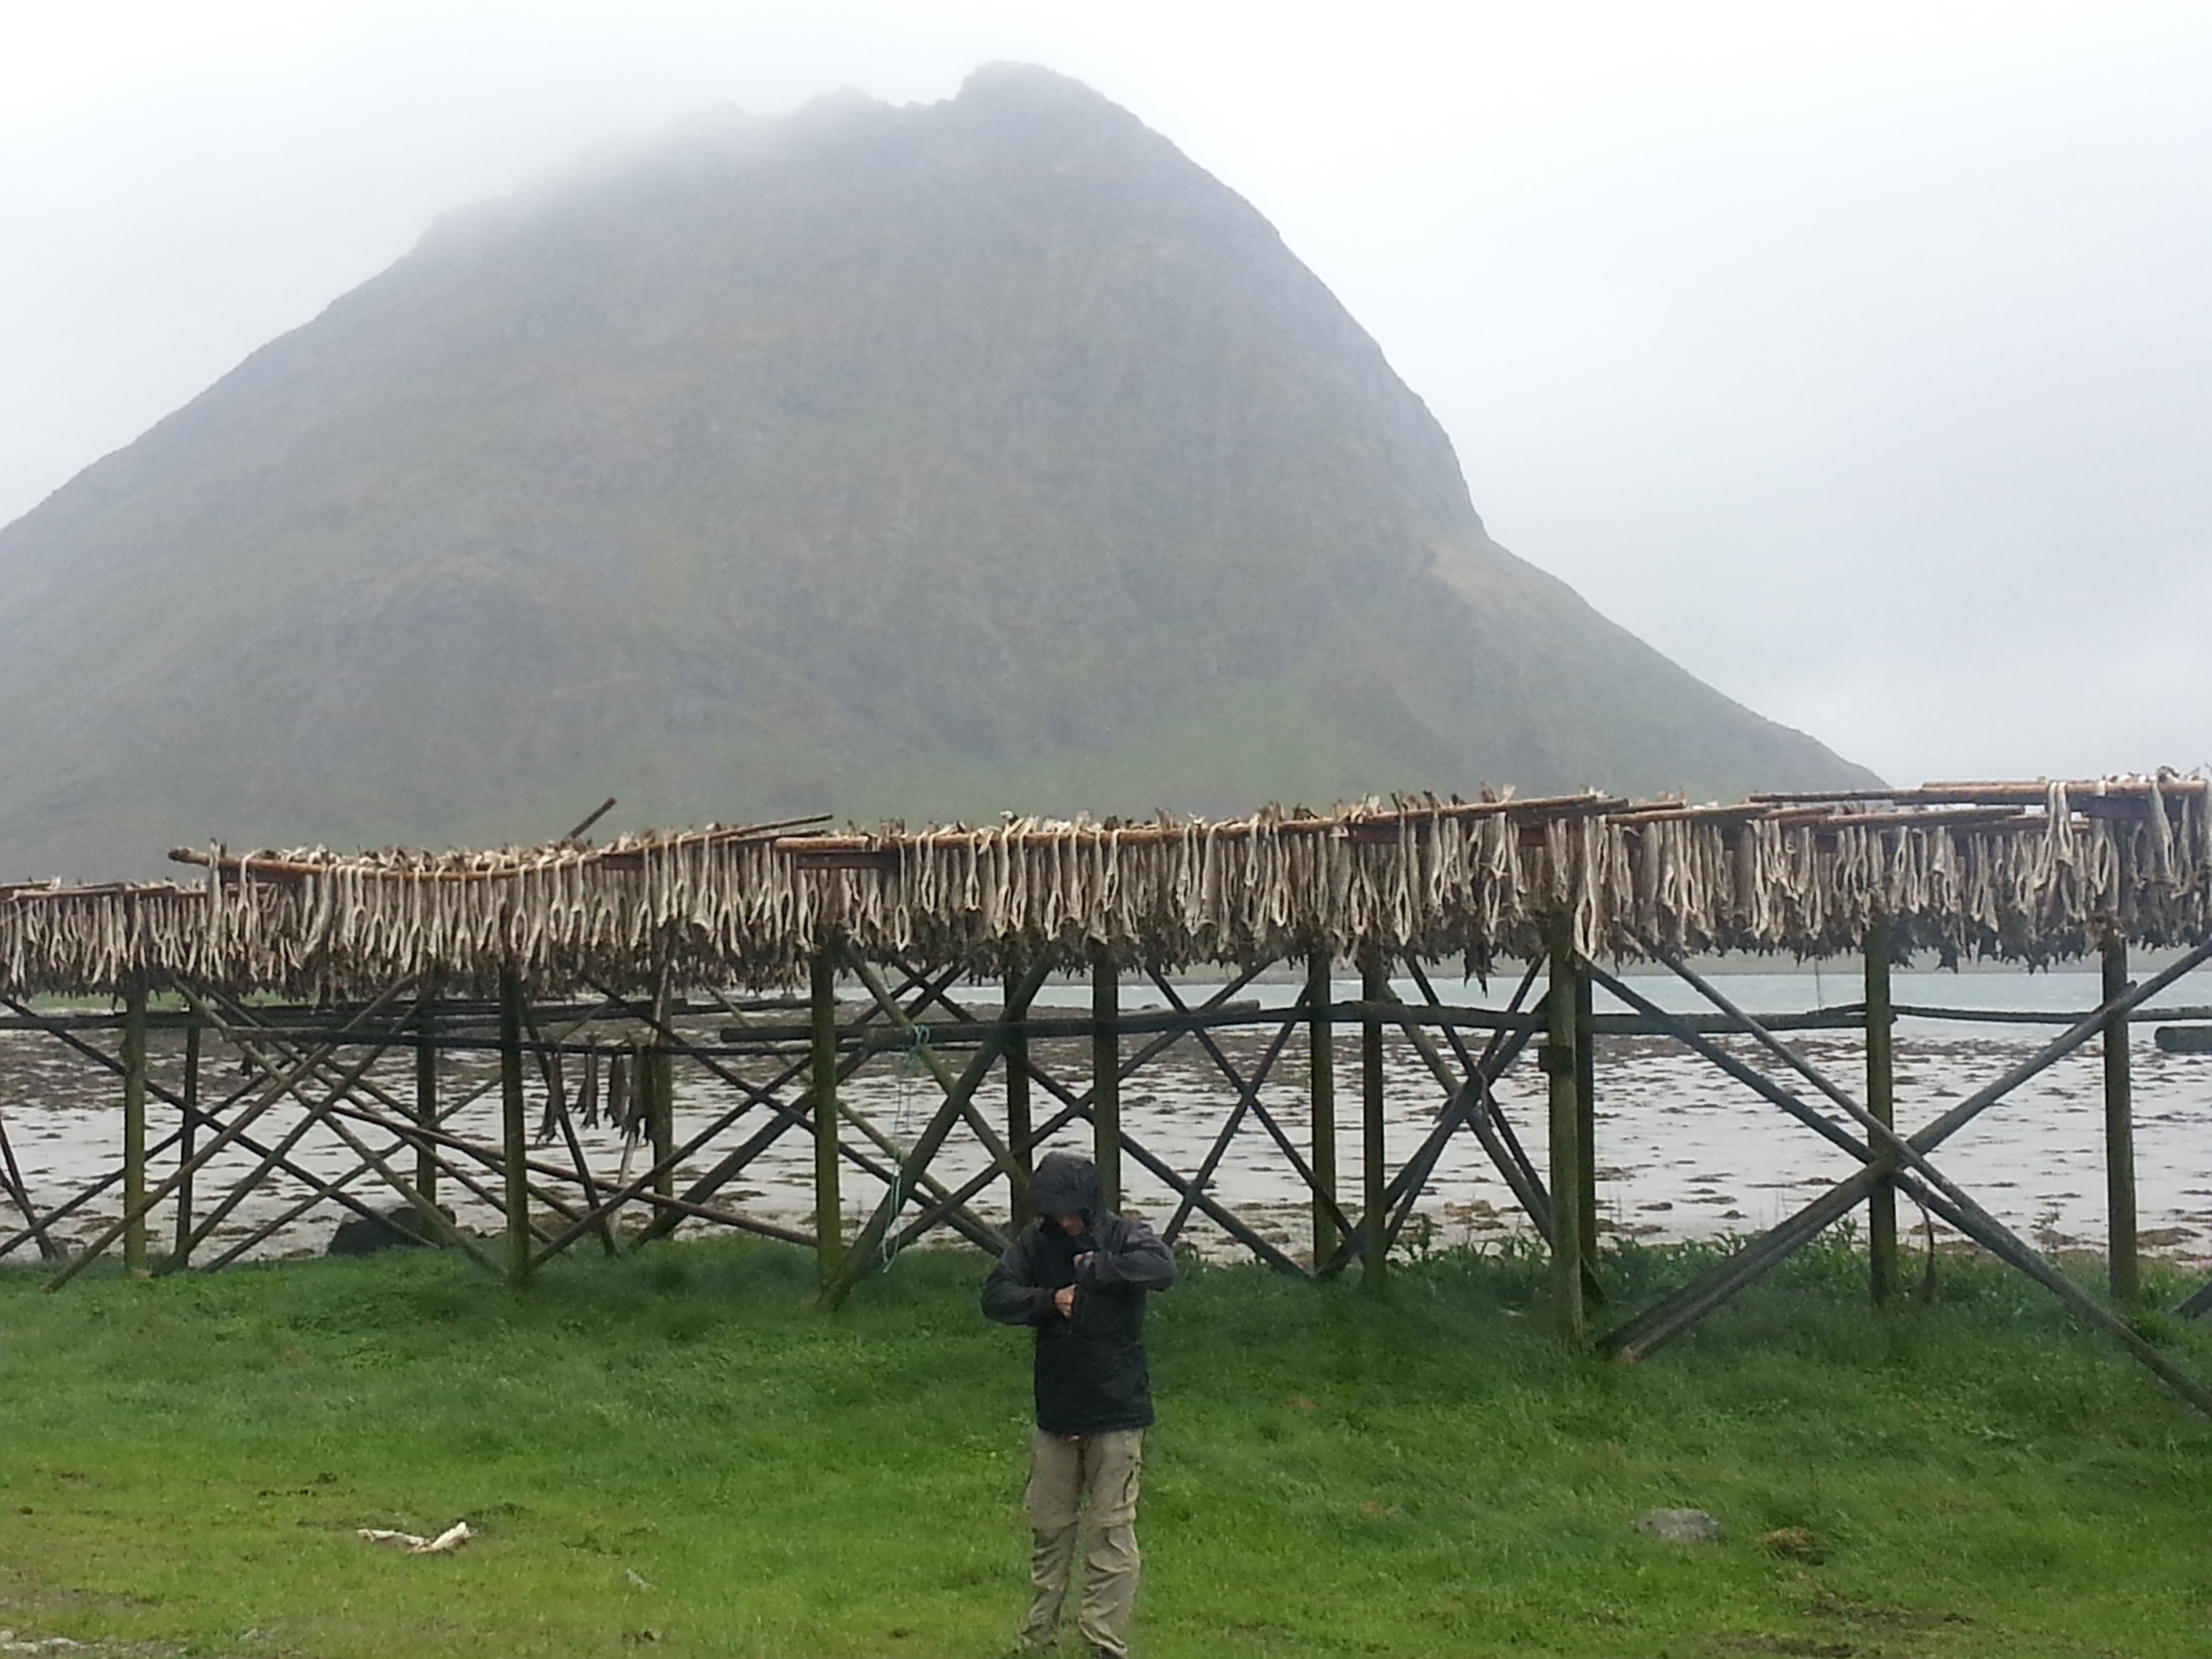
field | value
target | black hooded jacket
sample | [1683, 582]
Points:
[1090, 1372]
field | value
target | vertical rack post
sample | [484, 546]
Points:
[1321, 1087]
[1106, 1074]
[515, 1123]
[2126, 1269]
[828, 1201]
[1373, 988]
[1586, 1115]
[1021, 1130]
[426, 1095]
[134, 1125]
[657, 1063]
[185, 1147]
[1566, 1116]
[1881, 1104]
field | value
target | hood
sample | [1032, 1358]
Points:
[1065, 1184]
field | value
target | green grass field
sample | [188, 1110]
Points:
[673, 1453]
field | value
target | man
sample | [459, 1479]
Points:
[1078, 1274]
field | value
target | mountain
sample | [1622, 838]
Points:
[925, 460]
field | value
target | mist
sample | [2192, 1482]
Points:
[1857, 361]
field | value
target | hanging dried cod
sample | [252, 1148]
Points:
[2031, 871]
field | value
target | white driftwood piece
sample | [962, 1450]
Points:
[414, 1543]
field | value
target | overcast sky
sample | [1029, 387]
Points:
[1859, 357]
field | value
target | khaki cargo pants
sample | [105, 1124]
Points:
[1082, 1490]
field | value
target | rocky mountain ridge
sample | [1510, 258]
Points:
[928, 461]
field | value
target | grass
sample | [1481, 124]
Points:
[672, 1451]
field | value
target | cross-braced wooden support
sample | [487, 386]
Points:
[316, 1075]
[1888, 1156]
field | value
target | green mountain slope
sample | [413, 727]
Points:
[931, 461]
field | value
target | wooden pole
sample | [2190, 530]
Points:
[1882, 1102]
[1106, 1076]
[828, 1201]
[34, 1227]
[2126, 1268]
[1021, 1128]
[426, 1095]
[516, 1122]
[656, 1064]
[1586, 1116]
[1567, 1187]
[191, 1099]
[1374, 987]
[134, 1126]
[1321, 1087]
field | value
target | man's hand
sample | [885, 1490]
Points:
[1063, 1301]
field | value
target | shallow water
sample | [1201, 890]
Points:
[1684, 1151]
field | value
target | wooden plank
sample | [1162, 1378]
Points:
[467, 866]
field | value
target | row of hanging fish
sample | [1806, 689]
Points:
[1414, 876]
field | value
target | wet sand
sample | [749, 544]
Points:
[1684, 1151]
